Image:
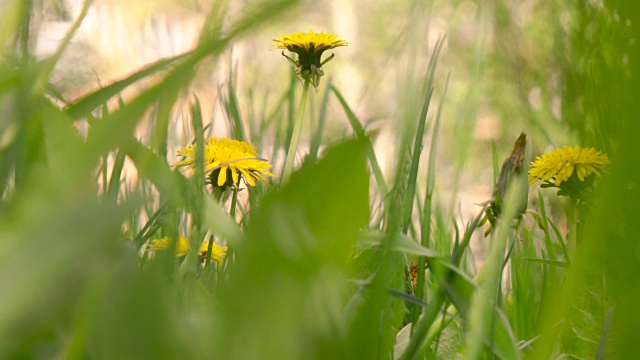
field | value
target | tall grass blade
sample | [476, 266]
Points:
[482, 321]
[359, 130]
[604, 336]
[409, 197]
[425, 225]
[316, 140]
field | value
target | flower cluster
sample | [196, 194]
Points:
[309, 47]
[226, 161]
[218, 253]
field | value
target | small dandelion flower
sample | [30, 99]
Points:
[560, 164]
[218, 253]
[309, 47]
[164, 243]
[226, 161]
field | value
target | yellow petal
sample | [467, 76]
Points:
[222, 178]
[234, 175]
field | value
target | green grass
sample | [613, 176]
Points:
[318, 268]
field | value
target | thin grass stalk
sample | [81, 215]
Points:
[207, 258]
[233, 110]
[234, 203]
[199, 179]
[316, 138]
[415, 163]
[572, 237]
[295, 135]
[496, 163]
[116, 172]
[359, 130]
[24, 31]
[563, 246]
[417, 147]
[545, 224]
[419, 335]
[482, 310]
[428, 198]
[604, 335]
[103, 174]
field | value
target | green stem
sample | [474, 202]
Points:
[207, 258]
[573, 227]
[412, 351]
[234, 203]
[295, 137]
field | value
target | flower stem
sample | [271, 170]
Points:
[573, 227]
[234, 203]
[295, 136]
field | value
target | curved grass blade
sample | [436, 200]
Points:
[359, 130]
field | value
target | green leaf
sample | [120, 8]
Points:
[284, 291]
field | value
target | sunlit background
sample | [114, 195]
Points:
[505, 60]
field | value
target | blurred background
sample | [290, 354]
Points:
[509, 65]
[506, 62]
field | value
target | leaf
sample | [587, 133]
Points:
[285, 287]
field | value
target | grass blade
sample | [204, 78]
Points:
[359, 130]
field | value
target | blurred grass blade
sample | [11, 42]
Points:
[359, 130]
[14, 12]
[400, 242]
[545, 227]
[116, 173]
[417, 146]
[425, 220]
[604, 336]
[170, 184]
[481, 330]
[219, 222]
[547, 262]
[316, 139]
[232, 110]
[563, 246]
[409, 196]
[92, 101]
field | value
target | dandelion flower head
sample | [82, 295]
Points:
[560, 164]
[164, 243]
[218, 253]
[226, 161]
[309, 47]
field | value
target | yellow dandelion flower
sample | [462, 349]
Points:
[560, 164]
[218, 253]
[226, 161]
[309, 47]
[164, 243]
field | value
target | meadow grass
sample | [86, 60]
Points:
[340, 255]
